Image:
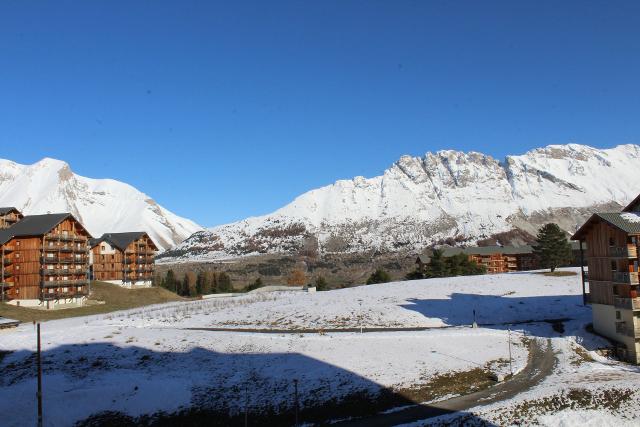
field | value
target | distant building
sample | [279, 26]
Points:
[9, 216]
[44, 260]
[496, 259]
[610, 284]
[126, 259]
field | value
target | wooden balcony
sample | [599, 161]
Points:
[627, 329]
[58, 283]
[629, 251]
[64, 237]
[8, 248]
[7, 261]
[627, 303]
[625, 277]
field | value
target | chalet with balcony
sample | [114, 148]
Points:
[610, 282]
[44, 261]
[496, 259]
[9, 216]
[126, 259]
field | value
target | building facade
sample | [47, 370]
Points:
[9, 216]
[610, 282]
[496, 259]
[126, 259]
[44, 261]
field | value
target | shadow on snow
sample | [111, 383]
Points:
[100, 383]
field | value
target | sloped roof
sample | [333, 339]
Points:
[33, 225]
[121, 240]
[8, 209]
[629, 222]
[633, 205]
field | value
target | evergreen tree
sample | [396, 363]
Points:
[214, 283]
[224, 284]
[552, 248]
[201, 281]
[170, 281]
[378, 276]
[255, 285]
[437, 266]
[414, 275]
[321, 284]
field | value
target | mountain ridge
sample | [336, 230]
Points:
[449, 195]
[102, 205]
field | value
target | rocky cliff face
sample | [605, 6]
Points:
[102, 205]
[448, 196]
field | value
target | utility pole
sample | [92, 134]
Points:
[510, 363]
[39, 393]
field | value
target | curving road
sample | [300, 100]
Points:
[540, 365]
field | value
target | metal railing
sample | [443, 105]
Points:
[57, 283]
[627, 303]
[629, 251]
[625, 277]
[628, 330]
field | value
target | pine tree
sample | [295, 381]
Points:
[414, 275]
[201, 283]
[321, 284]
[552, 248]
[170, 281]
[224, 283]
[378, 276]
[437, 266]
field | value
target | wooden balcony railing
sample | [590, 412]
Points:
[625, 277]
[57, 283]
[629, 251]
[627, 329]
[65, 237]
[627, 303]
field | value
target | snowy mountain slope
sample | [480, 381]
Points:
[102, 205]
[445, 196]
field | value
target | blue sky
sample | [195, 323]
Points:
[223, 110]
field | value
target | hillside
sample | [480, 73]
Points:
[444, 197]
[102, 205]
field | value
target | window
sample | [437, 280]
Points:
[612, 241]
[103, 248]
[614, 266]
[17, 254]
[18, 243]
[618, 315]
[49, 255]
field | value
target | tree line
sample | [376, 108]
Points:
[192, 284]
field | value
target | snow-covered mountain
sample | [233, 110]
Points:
[101, 205]
[443, 197]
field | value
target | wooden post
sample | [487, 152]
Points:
[39, 393]
[510, 363]
[584, 288]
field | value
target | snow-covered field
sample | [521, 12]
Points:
[143, 361]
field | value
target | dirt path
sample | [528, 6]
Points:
[540, 364]
[366, 330]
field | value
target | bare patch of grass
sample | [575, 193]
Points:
[115, 298]
[575, 398]
[558, 273]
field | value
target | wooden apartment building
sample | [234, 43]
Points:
[126, 259]
[9, 216]
[44, 260]
[610, 283]
[496, 259]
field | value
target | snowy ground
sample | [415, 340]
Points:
[143, 361]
